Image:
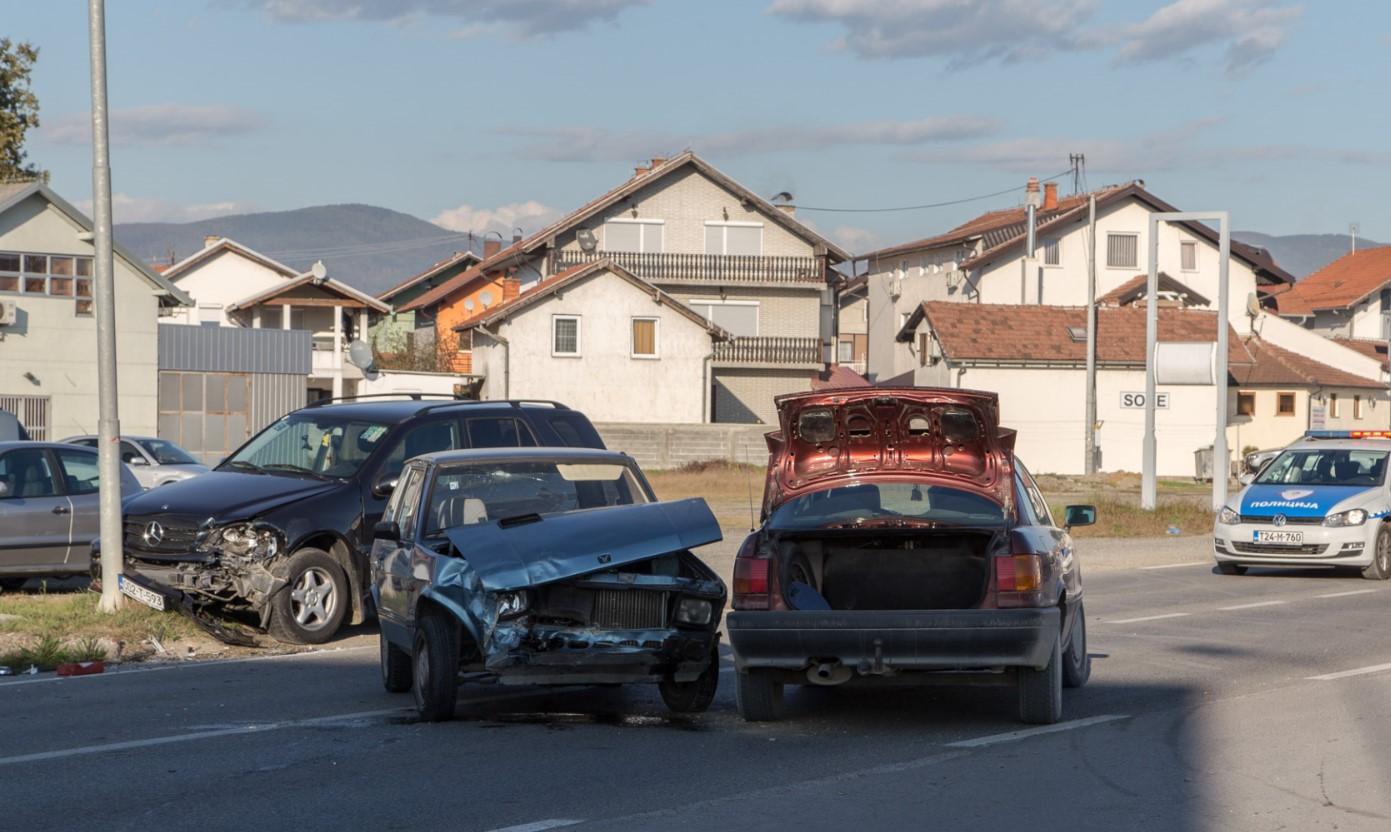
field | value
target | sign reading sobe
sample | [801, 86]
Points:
[1136, 401]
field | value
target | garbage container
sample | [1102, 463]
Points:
[1202, 464]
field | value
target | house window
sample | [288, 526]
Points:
[744, 238]
[465, 342]
[633, 235]
[1333, 405]
[923, 344]
[1188, 255]
[55, 275]
[1122, 251]
[1246, 404]
[1357, 407]
[565, 335]
[845, 350]
[644, 338]
[738, 318]
[1052, 253]
[1286, 404]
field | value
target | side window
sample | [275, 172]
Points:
[1036, 501]
[409, 506]
[80, 471]
[1026, 505]
[28, 473]
[130, 453]
[424, 438]
[502, 432]
[86, 443]
[573, 429]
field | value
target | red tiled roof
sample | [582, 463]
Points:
[456, 257]
[461, 280]
[1002, 332]
[1340, 284]
[838, 377]
[998, 225]
[1372, 349]
[1277, 365]
[1133, 290]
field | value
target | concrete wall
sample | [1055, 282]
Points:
[221, 281]
[1291, 336]
[59, 347]
[392, 381]
[920, 277]
[1268, 429]
[746, 394]
[659, 446]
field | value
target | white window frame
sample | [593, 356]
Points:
[656, 338]
[1194, 244]
[1131, 234]
[642, 234]
[1057, 243]
[724, 237]
[757, 322]
[579, 333]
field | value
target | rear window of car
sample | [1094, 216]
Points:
[888, 504]
[573, 429]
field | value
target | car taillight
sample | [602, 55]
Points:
[1019, 580]
[752, 587]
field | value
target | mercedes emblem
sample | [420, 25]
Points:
[154, 534]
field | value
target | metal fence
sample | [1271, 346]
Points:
[711, 268]
[770, 350]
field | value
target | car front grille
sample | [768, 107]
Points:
[178, 535]
[630, 609]
[1269, 520]
[1278, 549]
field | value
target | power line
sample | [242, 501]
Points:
[365, 247]
[928, 205]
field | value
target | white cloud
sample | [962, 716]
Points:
[158, 124]
[127, 208]
[592, 144]
[525, 18]
[529, 216]
[1252, 30]
[856, 240]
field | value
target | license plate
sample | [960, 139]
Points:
[1279, 537]
[148, 597]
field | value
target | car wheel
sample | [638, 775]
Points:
[396, 666]
[311, 607]
[695, 696]
[1380, 568]
[759, 696]
[1041, 691]
[1226, 567]
[1077, 664]
[435, 667]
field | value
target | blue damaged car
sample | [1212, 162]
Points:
[543, 566]
[1323, 502]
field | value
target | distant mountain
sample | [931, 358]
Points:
[367, 247]
[1303, 254]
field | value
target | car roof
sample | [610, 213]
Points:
[397, 410]
[134, 436]
[540, 454]
[1341, 445]
[5, 446]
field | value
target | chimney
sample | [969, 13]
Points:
[1031, 192]
[210, 240]
[640, 171]
[491, 247]
[658, 161]
[1050, 196]
[511, 287]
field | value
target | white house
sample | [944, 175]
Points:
[48, 337]
[601, 340]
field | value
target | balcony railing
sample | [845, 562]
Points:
[769, 350]
[704, 268]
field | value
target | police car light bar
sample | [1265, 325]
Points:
[1348, 434]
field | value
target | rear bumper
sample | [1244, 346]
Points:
[883, 642]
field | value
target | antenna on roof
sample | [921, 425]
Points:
[1078, 163]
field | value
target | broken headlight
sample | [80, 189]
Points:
[511, 604]
[693, 611]
[246, 540]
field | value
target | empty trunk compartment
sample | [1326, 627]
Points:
[918, 570]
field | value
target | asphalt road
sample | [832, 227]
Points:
[1216, 703]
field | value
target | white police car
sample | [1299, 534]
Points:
[1324, 501]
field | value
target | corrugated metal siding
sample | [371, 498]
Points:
[274, 395]
[222, 349]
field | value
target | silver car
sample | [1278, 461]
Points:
[153, 461]
[48, 509]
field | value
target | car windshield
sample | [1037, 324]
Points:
[166, 452]
[887, 504]
[308, 443]
[477, 492]
[1326, 466]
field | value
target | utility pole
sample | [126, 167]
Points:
[1353, 229]
[108, 419]
[1090, 463]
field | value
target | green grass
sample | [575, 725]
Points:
[55, 628]
[1123, 517]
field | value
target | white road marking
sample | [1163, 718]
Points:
[1174, 565]
[1012, 736]
[1346, 594]
[1343, 674]
[1147, 618]
[538, 825]
[1251, 606]
[133, 668]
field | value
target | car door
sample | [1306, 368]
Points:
[35, 517]
[420, 438]
[81, 475]
[391, 559]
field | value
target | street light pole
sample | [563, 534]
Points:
[108, 419]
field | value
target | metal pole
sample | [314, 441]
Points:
[108, 420]
[1148, 486]
[1028, 253]
[1221, 465]
[1090, 464]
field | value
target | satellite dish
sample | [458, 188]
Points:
[360, 355]
[588, 242]
[319, 271]
[1253, 305]
[468, 305]
[486, 299]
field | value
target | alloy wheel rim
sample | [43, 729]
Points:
[313, 599]
[1384, 553]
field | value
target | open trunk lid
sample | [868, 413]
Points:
[952, 436]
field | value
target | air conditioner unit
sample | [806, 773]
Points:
[895, 287]
[9, 313]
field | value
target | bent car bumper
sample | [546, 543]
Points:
[883, 642]
[574, 655]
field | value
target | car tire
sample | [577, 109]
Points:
[435, 667]
[396, 666]
[1226, 567]
[758, 694]
[1380, 567]
[1077, 663]
[12, 584]
[1041, 691]
[695, 696]
[312, 605]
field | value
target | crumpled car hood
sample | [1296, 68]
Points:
[575, 543]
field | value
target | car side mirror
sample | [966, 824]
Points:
[1079, 516]
[4, 489]
[137, 461]
[1246, 478]
[384, 485]
[387, 530]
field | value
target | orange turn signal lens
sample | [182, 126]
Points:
[1019, 573]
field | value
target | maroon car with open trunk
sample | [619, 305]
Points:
[903, 541]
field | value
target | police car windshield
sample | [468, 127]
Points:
[1326, 466]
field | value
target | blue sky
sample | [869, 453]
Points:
[495, 113]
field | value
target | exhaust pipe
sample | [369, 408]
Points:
[829, 673]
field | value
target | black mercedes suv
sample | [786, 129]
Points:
[282, 528]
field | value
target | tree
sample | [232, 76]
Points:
[19, 109]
